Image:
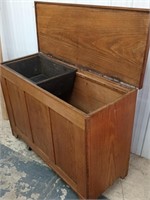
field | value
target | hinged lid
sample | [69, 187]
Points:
[112, 41]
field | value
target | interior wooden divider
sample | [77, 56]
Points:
[89, 96]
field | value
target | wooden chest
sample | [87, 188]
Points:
[85, 133]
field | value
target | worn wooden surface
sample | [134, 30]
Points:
[71, 113]
[8, 104]
[64, 142]
[109, 134]
[40, 122]
[69, 147]
[66, 134]
[85, 88]
[68, 139]
[19, 108]
[109, 40]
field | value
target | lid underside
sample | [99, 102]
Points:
[109, 40]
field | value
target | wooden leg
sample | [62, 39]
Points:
[16, 136]
[29, 148]
[124, 174]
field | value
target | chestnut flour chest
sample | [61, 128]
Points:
[74, 101]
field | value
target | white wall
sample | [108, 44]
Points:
[18, 35]
[141, 132]
[18, 28]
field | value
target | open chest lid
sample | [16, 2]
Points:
[108, 40]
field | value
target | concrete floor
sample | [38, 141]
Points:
[136, 186]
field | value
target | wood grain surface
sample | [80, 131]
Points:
[8, 105]
[109, 40]
[109, 134]
[89, 151]
[64, 109]
[85, 88]
[19, 109]
[69, 147]
[40, 126]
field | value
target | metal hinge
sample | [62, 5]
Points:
[83, 68]
[113, 79]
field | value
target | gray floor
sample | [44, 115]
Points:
[24, 178]
[136, 186]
